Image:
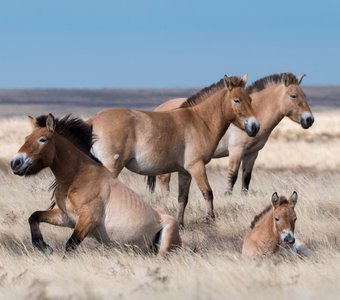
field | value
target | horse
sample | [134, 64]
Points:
[87, 197]
[273, 98]
[273, 229]
[182, 140]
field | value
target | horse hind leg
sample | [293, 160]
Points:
[247, 169]
[169, 236]
[164, 182]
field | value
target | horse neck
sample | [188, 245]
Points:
[213, 114]
[266, 105]
[67, 162]
[267, 227]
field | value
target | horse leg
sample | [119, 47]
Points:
[232, 172]
[83, 227]
[199, 173]
[54, 217]
[184, 181]
[164, 182]
[115, 164]
[247, 169]
[170, 238]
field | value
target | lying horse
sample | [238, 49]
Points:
[87, 196]
[273, 98]
[273, 229]
[181, 140]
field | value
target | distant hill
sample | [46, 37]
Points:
[20, 102]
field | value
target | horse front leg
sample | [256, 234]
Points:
[232, 172]
[85, 224]
[199, 173]
[54, 217]
[247, 169]
[184, 181]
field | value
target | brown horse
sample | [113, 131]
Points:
[87, 196]
[182, 140]
[272, 229]
[273, 98]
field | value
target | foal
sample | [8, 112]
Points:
[87, 196]
[273, 228]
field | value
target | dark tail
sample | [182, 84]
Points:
[151, 183]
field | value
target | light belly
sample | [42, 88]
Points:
[151, 164]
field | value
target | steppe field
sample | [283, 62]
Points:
[210, 265]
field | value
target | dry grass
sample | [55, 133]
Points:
[210, 265]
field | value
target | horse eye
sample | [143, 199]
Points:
[42, 140]
[293, 97]
[295, 220]
[277, 219]
[237, 101]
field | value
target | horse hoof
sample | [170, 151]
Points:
[43, 247]
[207, 219]
[244, 192]
[48, 250]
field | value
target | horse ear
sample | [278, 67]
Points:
[300, 78]
[33, 122]
[275, 199]
[227, 82]
[245, 79]
[50, 122]
[293, 198]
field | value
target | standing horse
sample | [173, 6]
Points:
[182, 140]
[88, 198]
[273, 98]
[272, 229]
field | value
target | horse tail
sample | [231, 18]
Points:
[151, 183]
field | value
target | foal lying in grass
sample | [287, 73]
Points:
[273, 229]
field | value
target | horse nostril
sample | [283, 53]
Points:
[255, 128]
[16, 163]
[310, 120]
[289, 239]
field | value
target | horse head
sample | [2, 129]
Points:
[294, 101]
[38, 151]
[240, 103]
[284, 217]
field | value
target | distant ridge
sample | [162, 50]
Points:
[85, 102]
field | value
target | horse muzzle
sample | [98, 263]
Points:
[306, 120]
[252, 126]
[288, 238]
[20, 164]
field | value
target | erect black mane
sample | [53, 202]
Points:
[265, 82]
[77, 131]
[210, 90]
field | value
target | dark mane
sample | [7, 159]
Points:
[261, 84]
[77, 131]
[210, 90]
[258, 217]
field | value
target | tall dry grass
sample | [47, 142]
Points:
[210, 265]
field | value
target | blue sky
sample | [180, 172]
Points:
[143, 44]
